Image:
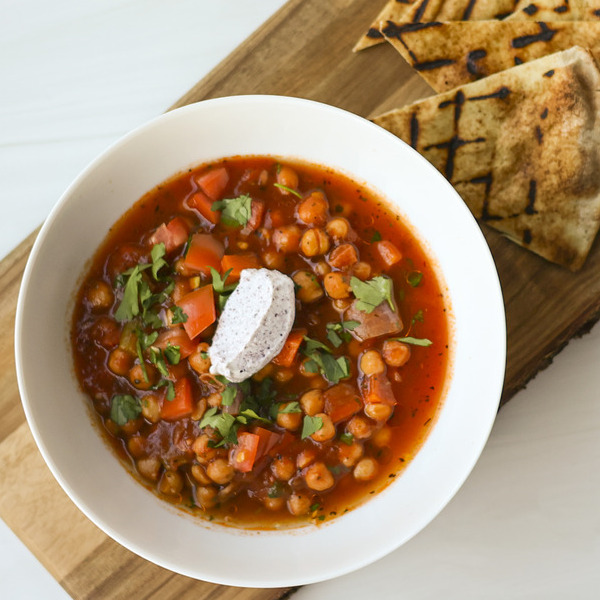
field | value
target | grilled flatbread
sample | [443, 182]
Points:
[450, 54]
[427, 11]
[522, 148]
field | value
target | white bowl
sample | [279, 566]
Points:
[57, 410]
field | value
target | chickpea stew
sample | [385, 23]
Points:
[343, 400]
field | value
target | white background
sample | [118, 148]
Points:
[74, 77]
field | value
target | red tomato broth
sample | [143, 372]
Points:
[418, 385]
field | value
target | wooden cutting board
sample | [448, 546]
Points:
[303, 50]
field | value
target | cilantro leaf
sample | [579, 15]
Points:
[310, 346]
[288, 189]
[291, 407]
[370, 294]
[234, 211]
[124, 408]
[414, 341]
[310, 425]
[338, 332]
[414, 278]
[178, 315]
[129, 307]
[158, 262]
[172, 354]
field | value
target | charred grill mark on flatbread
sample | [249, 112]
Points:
[486, 180]
[472, 59]
[374, 34]
[549, 73]
[530, 10]
[561, 9]
[538, 134]
[531, 197]
[544, 113]
[518, 61]
[527, 237]
[545, 35]
[420, 11]
[414, 131]
[468, 10]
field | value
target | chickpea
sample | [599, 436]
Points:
[327, 431]
[322, 268]
[151, 408]
[395, 353]
[100, 296]
[342, 303]
[214, 399]
[287, 238]
[289, 420]
[283, 468]
[371, 363]
[336, 285]
[199, 360]
[132, 426]
[120, 361]
[273, 259]
[199, 411]
[349, 455]
[204, 453]
[382, 437]
[318, 477]
[283, 374]
[338, 228]
[287, 177]
[365, 469]
[378, 411]
[360, 427]
[199, 474]
[263, 373]
[314, 242]
[206, 496]
[312, 402]
[274, 504]
[141, 380]
[171, 483]
[149, 467]
[299, 504]
[309, 289]
[220, 471]
[136, 446]
[305, 458]
[313, 209]
[361, 270]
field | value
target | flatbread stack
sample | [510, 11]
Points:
[522, 148]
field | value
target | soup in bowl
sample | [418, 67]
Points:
[276, 331]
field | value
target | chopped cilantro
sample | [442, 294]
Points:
[235, 212]
[287, 189]
[158, 262]
[311, 346]
[178, 315]
[338, 332]
[291, 407]
[124, 408]
[376, 237]
[310, 425]
[172, 354]
[414, 341]
[130, 306]
[347, 438]
[414, 278]
[418, 316]
[370, 294]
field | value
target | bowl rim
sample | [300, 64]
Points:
[494, 293]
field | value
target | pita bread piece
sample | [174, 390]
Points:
[522, 148]
[450, 54]
[556, 10]
[424, 11]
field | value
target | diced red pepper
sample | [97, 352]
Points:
[183, 403]
[388, 252]
[203, 204]
[237, 263]
[204, 252]
[243, 454]
[268, 440]
[173, 234]
[213, 182]
[290, 349]
[341, 402]
[199, 306]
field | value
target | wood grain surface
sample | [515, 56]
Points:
[303, 50]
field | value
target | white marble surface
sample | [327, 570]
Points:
[74, 77]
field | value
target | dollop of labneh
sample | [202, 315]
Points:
[254, 324]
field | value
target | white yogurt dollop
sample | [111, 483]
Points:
[254, 324]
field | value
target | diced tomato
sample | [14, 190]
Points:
[388, 252]
[213, 182]
[341, 402]
[203, 204]
[183, 403]
[237, 263]
[176, 337]
[379, 390]
[268, 440]
[243, 454]
[257, 212]
[204, 252]
[199, 306]
[290, 349]
[343, 256]
[173, 234]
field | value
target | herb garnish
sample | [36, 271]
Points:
[218, 283]
[124, 408]
[414, 278]
[288, 189]
[414, 341]
[310, 425]
[370, 294]
[337, 333]
[235, 212]
[178, 315]
[320, 359]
